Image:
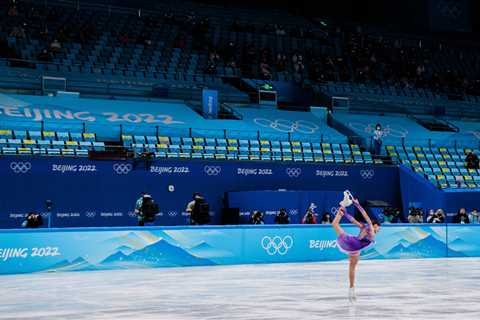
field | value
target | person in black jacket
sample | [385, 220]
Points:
[33, 220]
[471, 161]
[282, 217]
[256, 218]
[461, 217]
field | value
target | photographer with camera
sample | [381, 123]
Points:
[309, 217]
[415, 215]
[282, 217]
[436, 216]
[33, 220]
[146, 210]
[199, 210]
[256, 218]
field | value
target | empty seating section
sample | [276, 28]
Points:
[49, 143]
[443, 166]
[245, 149]
[389, 98]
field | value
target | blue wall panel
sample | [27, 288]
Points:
[24, 251]
[103, 193]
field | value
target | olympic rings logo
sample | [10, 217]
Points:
[386, 130]
[20, 167]
[277, 245]
[212, 170]
[293, 212]
[287, 126]
[293, 172]
[90, 214]
[172, 213]
[132, 214]
[122, 168]
[367, 174]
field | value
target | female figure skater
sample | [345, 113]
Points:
[352, 245]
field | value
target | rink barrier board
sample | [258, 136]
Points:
[82, 249]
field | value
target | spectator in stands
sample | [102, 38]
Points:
[309, 217]
[13, 11]
[474, 217]
[436, 217]
[198, 209]
[256, 218]
[471, 161]
[18, 32]
[44, 56]
[461, 217]
[55, 46]
[282, 217]
[281, 62]
[265, 71]
[377, 139]
[326, 218]
[33, 220]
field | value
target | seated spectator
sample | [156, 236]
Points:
[256, 218]
[415, 215]
[436, 217]
[282, 217]
[461, 217]
[473, 217]
[265, 71]
[12, 11]
[309, 217]
[471, 161]
[44, 56]
[55, 46]
[326, 218]
[18, 32]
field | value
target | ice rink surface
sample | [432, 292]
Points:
[394, 289]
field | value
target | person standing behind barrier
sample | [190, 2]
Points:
[377, 140]
[256, 218]
[146, 209]
[199, 210]
[473, 216]
[33, 220]
[282, 217]
[436, 217]
[461, 217]
[309, 217]
[326, 218]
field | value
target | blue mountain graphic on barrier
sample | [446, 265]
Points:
[371, 253]
[202, 246]
[427, 247]
[459, 242]
[158, 254]
[79, 264]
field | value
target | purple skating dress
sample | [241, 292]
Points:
[352, 245]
